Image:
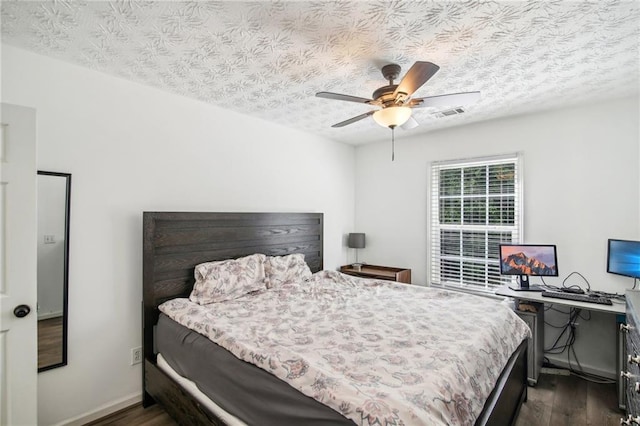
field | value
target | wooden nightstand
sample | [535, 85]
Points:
[389, 273]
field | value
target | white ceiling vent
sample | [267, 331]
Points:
[448, 112]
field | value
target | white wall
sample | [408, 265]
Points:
[581, 187]
[131, 148]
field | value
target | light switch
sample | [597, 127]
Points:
[49, 239]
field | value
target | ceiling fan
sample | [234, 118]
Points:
[395, 100]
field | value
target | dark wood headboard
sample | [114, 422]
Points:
[174, 243]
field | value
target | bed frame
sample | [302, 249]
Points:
[175, 242]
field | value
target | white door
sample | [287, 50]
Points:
[18, 249]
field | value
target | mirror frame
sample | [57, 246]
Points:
[65, 284]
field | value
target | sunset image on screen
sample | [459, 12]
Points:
[528, 260]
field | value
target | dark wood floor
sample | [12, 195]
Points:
[569, 400]
[138, 416]
[554, 401]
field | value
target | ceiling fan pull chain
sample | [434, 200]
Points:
[393, 144]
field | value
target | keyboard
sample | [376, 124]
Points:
[577, 297]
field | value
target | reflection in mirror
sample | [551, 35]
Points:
[54, 193]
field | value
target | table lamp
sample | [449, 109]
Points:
[356, 241]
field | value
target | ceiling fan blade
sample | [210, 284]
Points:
[417, 75]
[452, 99]
[353, 119]
[341, 97]
[411, 123]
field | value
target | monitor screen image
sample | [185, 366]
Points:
[623, 258]
[528, 259]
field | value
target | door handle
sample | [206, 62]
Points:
[21, 311]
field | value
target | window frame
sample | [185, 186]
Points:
[435, 227]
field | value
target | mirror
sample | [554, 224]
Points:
[54, 202]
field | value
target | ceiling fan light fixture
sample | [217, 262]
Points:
[392, 116]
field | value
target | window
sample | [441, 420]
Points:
[475, 206]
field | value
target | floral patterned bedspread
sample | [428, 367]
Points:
[378, 352]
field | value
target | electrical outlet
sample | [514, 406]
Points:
[136, 355]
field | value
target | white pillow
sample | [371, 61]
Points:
[228, 279]
[287, 269]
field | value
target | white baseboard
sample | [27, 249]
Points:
[556, 371]
[586, 368]
[102, 411]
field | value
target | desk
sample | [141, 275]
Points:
[535, 359]
[536, 296]
[377, 272]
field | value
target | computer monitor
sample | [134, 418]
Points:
[527, 260]
[623, 258]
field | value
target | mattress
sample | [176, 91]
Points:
[377, 352]
[241, 389]
[193, 390]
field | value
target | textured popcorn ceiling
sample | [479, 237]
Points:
[268, 59]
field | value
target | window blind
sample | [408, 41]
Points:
[475, 205]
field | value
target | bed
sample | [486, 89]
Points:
[174, 243]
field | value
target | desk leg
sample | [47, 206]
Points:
[535, 321]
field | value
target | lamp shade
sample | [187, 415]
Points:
[392, 116]
[356, 240]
